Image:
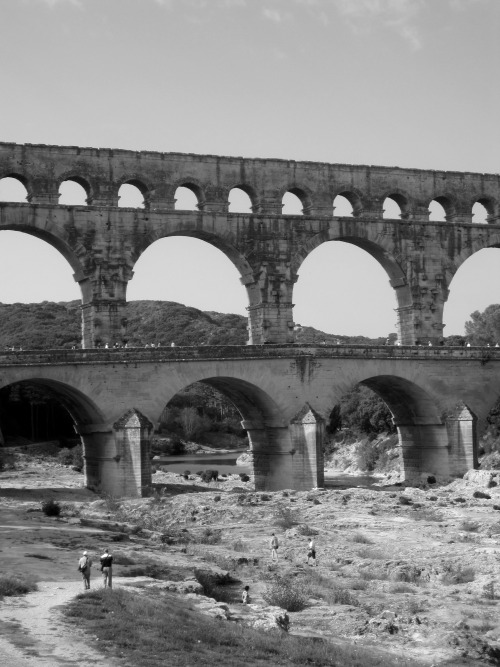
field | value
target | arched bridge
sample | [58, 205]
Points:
[103, 242]
[284, 393]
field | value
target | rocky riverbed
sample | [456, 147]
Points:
[412, 571]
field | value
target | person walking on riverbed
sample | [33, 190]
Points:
[84, 565]
[274, 544]
[107, 569]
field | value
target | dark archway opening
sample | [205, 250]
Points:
[33, 412]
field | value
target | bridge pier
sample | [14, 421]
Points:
[461, 425]
[288, 457]
[117, 459]
[425, 450]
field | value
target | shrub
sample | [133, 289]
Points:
[209, 536]
[51, 508]
[11, 585]
[401, 588]
[209, 475]
[244, 477]
[469, 526]
[71, 457]
[358, 585]
[427, 515]
[455, 574]
[404, 500]
[370, 575]
[306, 530]
[284, 593]
[359, 538]
[284, 518]
[489, 591]
[481, 494]
[343, 596]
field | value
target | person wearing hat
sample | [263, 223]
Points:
[84, 565]
[106, 568]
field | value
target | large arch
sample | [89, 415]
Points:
[392, 268]
[471, 278]
[244, 271]
[266, 426]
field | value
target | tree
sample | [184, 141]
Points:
[484, 328]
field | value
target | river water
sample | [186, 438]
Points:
[226, 464]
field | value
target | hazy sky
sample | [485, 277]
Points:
[412, 83]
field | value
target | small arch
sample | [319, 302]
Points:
[347, 203]
[188, 197]
[296, 201]
[132, 194]
[441, 209]
[74, 191]
[483, 210]
[395, 206]
[241, 199]
[14, 188]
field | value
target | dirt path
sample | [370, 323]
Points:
[33, 631]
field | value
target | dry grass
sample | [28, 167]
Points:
[163, 631]
[11, 585]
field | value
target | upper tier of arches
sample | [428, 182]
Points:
[317, 186]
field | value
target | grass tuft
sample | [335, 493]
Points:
[13, 585]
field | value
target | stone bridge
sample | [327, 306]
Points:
[284, 392]
[102, 242]
[439, 396]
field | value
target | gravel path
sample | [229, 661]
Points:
[33, 632]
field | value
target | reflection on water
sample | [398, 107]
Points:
[340, 481]
[226, 464]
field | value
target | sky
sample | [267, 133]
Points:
[408, 83]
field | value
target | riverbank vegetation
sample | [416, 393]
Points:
[158, 630]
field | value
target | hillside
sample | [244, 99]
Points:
[51, 325]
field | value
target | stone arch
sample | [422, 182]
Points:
[248, 190]
[389, 262]
[353, 195]
[303, 193]
[265, 423]
[22, 179]
[235, 256]
[491, 206]
[473, 245]
[53, 238]
[448, 202]
[76, 178]
[139, 182]
[192, 184]
[402, 199]
[422, 431]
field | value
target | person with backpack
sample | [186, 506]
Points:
[107, 568]
[311, 552]
[84, 565]
[274, 544]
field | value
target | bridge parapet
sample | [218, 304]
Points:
[224, 352]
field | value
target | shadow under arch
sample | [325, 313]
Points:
[434, 439]
[81, 409]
